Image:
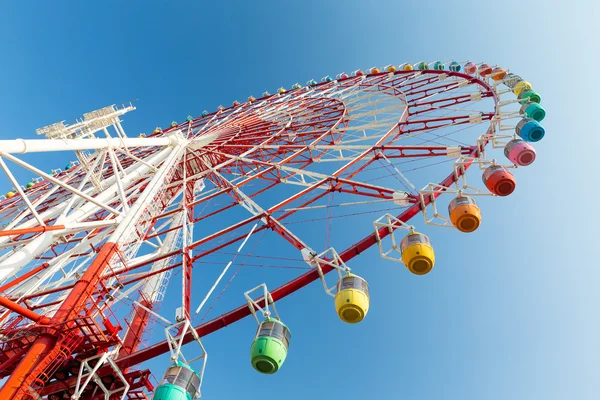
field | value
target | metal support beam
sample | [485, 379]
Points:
[27, 313]
[21, 146]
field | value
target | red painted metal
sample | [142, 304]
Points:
[137, 326]
[38, 229]
[27, 313]
[24, 277]
[298, 283]
[186, 259]
[50, 346]
[319, 119]
[279, 293]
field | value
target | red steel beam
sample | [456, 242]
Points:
[138, 324]
[24, 277]
[26, 312]
[279, 293]
[36, 229]
[288, 288]
[296, 284]
[39, 351]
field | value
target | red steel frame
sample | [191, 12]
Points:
[51, 344]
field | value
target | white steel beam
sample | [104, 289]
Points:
[41, 243]
[20, 146]
[12, 178]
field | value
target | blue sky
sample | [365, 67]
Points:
[509, 312]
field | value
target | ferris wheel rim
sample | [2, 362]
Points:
[305, 279]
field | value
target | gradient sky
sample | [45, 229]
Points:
[509, 312]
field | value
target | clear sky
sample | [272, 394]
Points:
[509, 312]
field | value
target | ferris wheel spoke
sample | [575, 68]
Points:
[299, 152]
[252, 207]
[417, 80]
[307, 178]
[221, 233]
[446, 103]
[411, 126]
[364, 98]
[427, 92]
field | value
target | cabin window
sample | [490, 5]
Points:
[275, 330]
[414, 238]
[353, 282]
[193, 385]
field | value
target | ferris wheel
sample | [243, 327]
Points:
[306, 178]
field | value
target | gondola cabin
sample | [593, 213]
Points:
[270, 346]
[464, 213]
[511, 80]
[352, 299]
[454, 66]
[533, 110]
[530, 130]
[484, 70]
[498, 180]
[519, 152]
[520, 86]
[529, 95]
[470, 68]
[498, 73]
[417, 253]
[180, 382]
